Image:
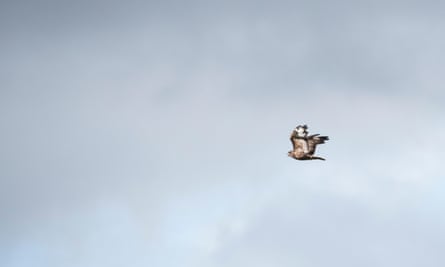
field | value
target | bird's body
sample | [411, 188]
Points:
[304, 145]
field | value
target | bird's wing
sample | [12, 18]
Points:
[312, 144]
[314, 140]
[294, 141]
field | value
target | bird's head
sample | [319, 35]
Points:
[301, 130]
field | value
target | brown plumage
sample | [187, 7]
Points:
[304, 145]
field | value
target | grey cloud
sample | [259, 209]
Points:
[148, 124]
[337, 232]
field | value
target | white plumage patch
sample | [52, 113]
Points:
[301, 131]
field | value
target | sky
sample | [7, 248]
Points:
[155, 133]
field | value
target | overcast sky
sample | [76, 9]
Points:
[155, 133]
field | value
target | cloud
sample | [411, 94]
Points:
[156, 134]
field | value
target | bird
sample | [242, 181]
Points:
[304, 145]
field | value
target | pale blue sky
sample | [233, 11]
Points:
[139, 133]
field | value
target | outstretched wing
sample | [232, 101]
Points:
[314, 140]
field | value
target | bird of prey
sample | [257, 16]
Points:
[304, 145]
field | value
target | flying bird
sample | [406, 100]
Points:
[304, 145]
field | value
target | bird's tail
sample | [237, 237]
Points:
[315, 157]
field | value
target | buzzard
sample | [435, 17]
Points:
[304, 145]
